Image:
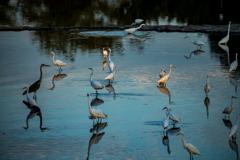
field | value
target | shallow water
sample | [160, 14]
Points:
[134, 125]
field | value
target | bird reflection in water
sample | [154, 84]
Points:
[34, 111]
[165, 141]
[233, 130]
[207, 103]
[225, 48]
[234, 81]
[195, 52]
[233, 145]
[96, 101]
[57, 78]
[165, 90]
[105, 63]
[174, 130]
[110, 90]
[227, 123]
[133, 36]
[35, 86]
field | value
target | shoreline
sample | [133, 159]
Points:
[234, 28]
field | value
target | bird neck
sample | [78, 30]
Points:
[53, 58]
[207, 80]
[89, 105]
[170, 71]
[91, 76]
[40, 79]
[139, 27]
[183, 140]
[228, 29]
[27, 93]
[109, 58]
[191, 39]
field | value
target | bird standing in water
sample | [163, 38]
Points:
[162, 73]
[225, 39]
[131, 30]
[164, 79]
[111, 65]
[234, 64]
[196, 42]
[207, 86]
[58, 63]
[234, 129]
[95, 84]
[229, 109]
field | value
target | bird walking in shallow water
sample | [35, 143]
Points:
[35, 86]
[95, 84]
[225, 39]
[207, 86]
[164, 79]
[229, 109]
[111, 65]
[196, 42]
[131, 30]
[58, 63]
[192, 150]
[172, 117]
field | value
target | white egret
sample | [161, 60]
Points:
[161, 74]
[35, 86]
[131, 30]
[225, 39]
[189, 147]
[165, 123]
[234, 129]
[58, 63]
[164, 79]
[137, 21]
[95, 84]
[111, 65]
[172, 117]
[234, 64]
[229, 109]
[95, 113]
[196, 42]
[30, 100]
[105, 53]
[207, 86]
[110, 76]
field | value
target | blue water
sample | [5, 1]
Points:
[134, 125]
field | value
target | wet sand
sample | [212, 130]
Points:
[235, 28]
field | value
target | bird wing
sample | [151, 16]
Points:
[233, 66]
[233, 130]
[173, 117]
[226, 110]
[61, 63]
[110, 76]
[197, 42]
[223, 40]
[100, 113]
[32, 102]
[96, 84]
[192, 149]
[164, 79]
[165, 123]
[111, 66]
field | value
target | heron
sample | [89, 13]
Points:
[95, 113]
[165, 122]
[234, 129]
[110, 76]
[164, 79]
[30, 100]
[111, 65]
[35, 86]
[172, 117]
[207, 86]
[189, 147]
[137, 21]
[234, 64]
[196, 42]
[95, 84]
[131, 30]
[162, 73]
[229, 109]
[225, 39]
[105, 53]
[58, 63]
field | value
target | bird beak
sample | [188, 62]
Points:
[46, 65]
[24, 87]
[179, 133]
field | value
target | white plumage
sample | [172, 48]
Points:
[30, 100]
[172, 117]
[95, 84]
[164, 79]
[225, 39]
[131, 30]
[229, 109]
[196, 42]
[234, 64]
[111, 65]
[234, 128]
[137, 21]
[58, 63]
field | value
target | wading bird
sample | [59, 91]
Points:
[234, 64]
[207, 86]
[95, 113]
[196, 42]
[35, 86]
[110, 76]
[225, 39]
[58, 63]
[172, 117]
[137, 21]
[164, 79]
[131, 30]
[161, 74]
[95, 84]
[189, 147]
[229, 109]
[234, 129]
[105, 53]
[30, 100]
[165, 123]
[111, 65]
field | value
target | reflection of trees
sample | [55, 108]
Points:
[107, 12]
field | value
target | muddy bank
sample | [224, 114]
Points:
[235, 28]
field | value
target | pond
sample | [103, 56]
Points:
[60, 128]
